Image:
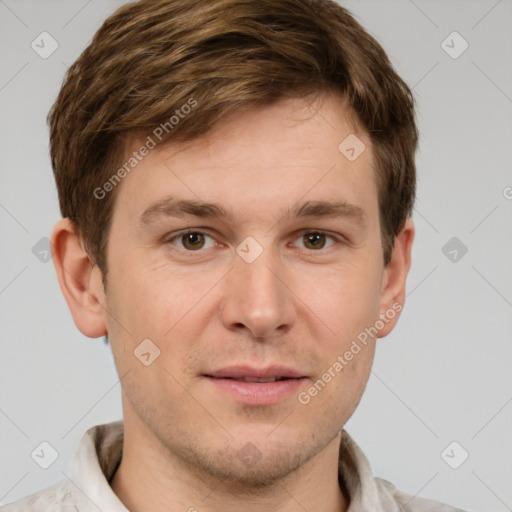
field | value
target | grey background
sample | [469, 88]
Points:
[443, 375]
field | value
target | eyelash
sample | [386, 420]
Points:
[336, 240]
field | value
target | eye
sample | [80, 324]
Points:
[192, 241]
[316, 240]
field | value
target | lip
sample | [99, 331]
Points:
[257, 393]
[240, 371]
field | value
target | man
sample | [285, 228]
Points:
[236, 179]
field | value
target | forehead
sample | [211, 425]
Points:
[261, 158]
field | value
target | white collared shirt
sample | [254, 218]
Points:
[100, 450]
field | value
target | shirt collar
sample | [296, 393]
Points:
[94, 463]
[354, 473]
[100, 450]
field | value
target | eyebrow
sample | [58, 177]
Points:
[172, 207]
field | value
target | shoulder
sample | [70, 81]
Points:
[389, 495]
[56, 498]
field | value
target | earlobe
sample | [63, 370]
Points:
[79, 280]
[395, 276]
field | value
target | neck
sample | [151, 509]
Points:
[150, 477]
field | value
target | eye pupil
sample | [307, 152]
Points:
[193, 241]
[314, 240]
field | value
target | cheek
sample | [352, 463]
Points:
[345, 299]
[156, 301]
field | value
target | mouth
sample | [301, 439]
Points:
[253, 374]
[257, 386]
[261, 380]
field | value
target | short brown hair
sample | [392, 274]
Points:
[152, 57]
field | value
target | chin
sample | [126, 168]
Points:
[250, 468]
[250, 462]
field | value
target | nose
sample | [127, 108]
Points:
[256, 297]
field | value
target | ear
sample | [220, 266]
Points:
[395, 275]
[79, 279]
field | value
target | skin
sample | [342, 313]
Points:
[296, 304]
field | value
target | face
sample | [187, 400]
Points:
[251, 253]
